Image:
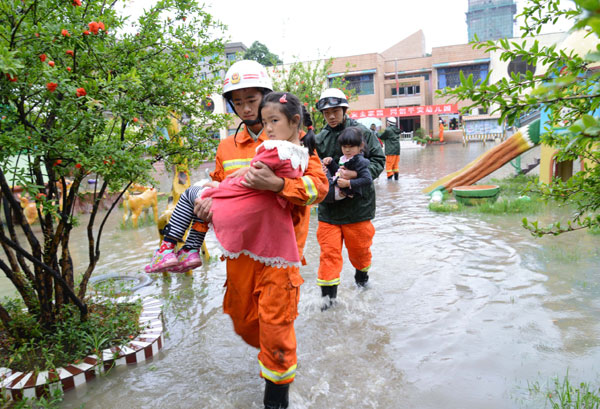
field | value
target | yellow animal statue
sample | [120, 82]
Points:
[62, 189]
[181, 181]
[135, 204]
[29, 209]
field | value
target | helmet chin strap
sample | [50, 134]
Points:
[251, 122]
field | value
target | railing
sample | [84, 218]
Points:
[407, 136]
[483, 137]
[527, 118]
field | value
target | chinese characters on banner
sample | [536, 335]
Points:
[405, 111]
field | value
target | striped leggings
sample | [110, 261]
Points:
[182, 216]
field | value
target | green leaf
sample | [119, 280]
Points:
[589, 121]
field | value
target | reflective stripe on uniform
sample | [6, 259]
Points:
[311, 189]
[236, 164]
[365, 270]
[275, 376]
[326, 283]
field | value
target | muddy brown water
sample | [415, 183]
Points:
[462, 311]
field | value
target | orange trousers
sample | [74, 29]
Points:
[262, 302]
[357, 237]
[391, 164]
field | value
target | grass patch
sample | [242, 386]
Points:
[445, 207]
[516, 185]
[514, 199]
[70, 340]
[510, 206]
[49, 402]
[565, 395]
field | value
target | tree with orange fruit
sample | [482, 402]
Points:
[82, 97]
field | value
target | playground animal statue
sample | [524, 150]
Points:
[62, 188]
[29, 209]
[134, 205]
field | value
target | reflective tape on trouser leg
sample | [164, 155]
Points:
[277, 377]
[326, 283]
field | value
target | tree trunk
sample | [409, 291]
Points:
[6, 320]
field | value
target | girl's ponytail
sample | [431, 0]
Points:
[310, 139]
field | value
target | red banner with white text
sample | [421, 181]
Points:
[404, 111]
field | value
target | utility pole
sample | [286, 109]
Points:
[397, 92]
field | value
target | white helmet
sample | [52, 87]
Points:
[331, 98]
[246, 74]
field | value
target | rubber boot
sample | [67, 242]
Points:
[328, 291]
[390, 177]
[361, 278]
[276, 395]
[396, 175]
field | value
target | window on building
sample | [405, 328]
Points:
[450, 77]
[407, 90]
[231, 56]
[362, 84]
[519, 66]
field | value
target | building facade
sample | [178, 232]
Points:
[405, 76]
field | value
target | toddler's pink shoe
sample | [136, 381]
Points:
[187, 259]
[163, 259]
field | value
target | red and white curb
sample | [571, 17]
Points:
[20, 385]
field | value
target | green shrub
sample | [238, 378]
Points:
[70, 340]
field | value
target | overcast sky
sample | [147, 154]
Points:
[311, 29]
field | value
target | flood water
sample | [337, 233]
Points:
[462, 311]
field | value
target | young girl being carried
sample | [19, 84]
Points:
[246, 221]
[351, 143]
[258, 223]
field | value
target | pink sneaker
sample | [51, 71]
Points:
[187, 259]
[163, 259]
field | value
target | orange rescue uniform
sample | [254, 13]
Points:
[358, 238]
[262, 301]
[392, 164]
